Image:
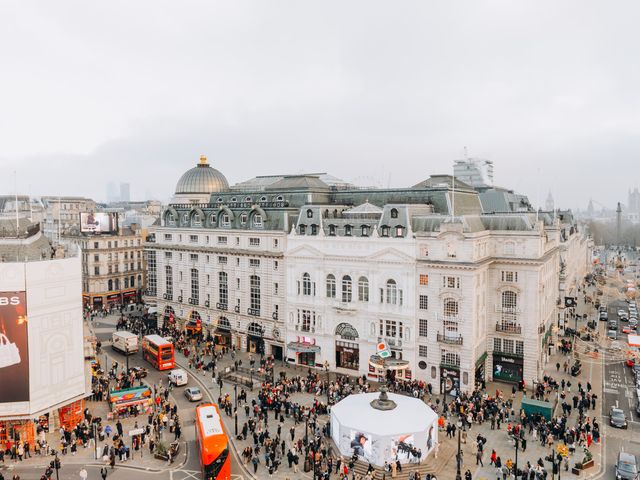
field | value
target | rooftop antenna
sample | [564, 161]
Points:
[466, 157]
[453, 192]
[30, 206]
[15, 182]
[538, 197]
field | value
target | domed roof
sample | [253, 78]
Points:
[202, 179]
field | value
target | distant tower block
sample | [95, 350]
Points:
[618, 224]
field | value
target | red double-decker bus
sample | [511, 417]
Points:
[212, 444]
[158, 352]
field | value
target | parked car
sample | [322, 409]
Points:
[193, 394]
[613, 325]
[139, 372]
[633, 322]
[622, 314]
[617, 418]
[626, 467]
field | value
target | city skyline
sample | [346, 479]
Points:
[266, 91]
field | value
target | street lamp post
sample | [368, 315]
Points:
[235, 410]
[56, 464]
[306, 430]
[459, 455]
[517, 444]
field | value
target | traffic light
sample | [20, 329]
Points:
[57, 464]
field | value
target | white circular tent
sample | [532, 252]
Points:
[379, 435]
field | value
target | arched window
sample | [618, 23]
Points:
[309, 213]
[225, 221]
[392, 292]
[363, 289]
[263, 199]
[197, 221]
[450, 307]
[247, 199]
[347, 332]
[110, 285]
[385, 231]
[117, 284]
[394, 213]
[347, 230]
[331, 286]
[132, 281]
[306, 284]
[509, 306]
[223, 289]
[243, 219]
[347, 289]
[234, 199]
[212, 219]
[168, 278]
[365, 230]
[254, 282]
[257, 220]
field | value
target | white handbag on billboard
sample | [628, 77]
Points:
[9, 354]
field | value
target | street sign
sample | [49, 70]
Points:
[136, 431]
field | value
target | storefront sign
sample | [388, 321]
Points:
[506, 368]
[450, 380]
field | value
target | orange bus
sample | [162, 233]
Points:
[212, 443]
[158, 352]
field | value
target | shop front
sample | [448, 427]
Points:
[481, 363]
[17, 430]
[303, 351]
[347, 355]
[97, 303]
[113, 299]
[194, 324]
[347, 347]
[129, 296]
[72, 414]
[255, 340]
[449, 380]
[222, 333]
[507, 368]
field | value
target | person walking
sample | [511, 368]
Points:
[103, 472]
[83, 474]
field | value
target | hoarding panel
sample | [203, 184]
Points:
[14, 348]
[98, 222]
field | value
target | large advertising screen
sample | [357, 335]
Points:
[14, 348]
[98, 222]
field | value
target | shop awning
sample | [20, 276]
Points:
[388, 363]
[303, 347]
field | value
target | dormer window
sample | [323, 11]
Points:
[247, 199]
[385, 231]
[309, 213]
[332, 230]
[347, 230]
[219, 199]
[399, 231]
[225, 220]
[212, 219]
[314, 229]
[394, 213]
[257, 220]
[279, 198]
[303, 229]
[234, 199]
[185, 218]
[263, 199]
[365, 230]
[243, 219]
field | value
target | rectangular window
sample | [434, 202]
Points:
[222, 260]
[423, 327]
[254, 282]
[206, 239]
[95, 245]
[152, 278]
[96, 258]
[195, 286]
[508, 346]
[422, 351]
[168, 237]
[254, 242]
[222, 240]
[275, 265]
[275, 243]
[193, 238]
[450, 282]
[423, 302]
[424, 280]
[168, 282]
[254, 262]
[223, 289]
[509, 276]
[96, 270]
[519, 347]
[193, 257]
[497, 344]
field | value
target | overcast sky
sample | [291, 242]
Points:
[375, 92]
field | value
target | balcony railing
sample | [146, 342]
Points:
[507, 310]
[450, 338]
[505, 327]
[303, 328]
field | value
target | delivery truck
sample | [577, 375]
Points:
[125, 342]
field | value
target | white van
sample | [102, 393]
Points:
[178, 377]
[125, 342]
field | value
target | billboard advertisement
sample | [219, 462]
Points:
[98, 222]
[14, 348]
